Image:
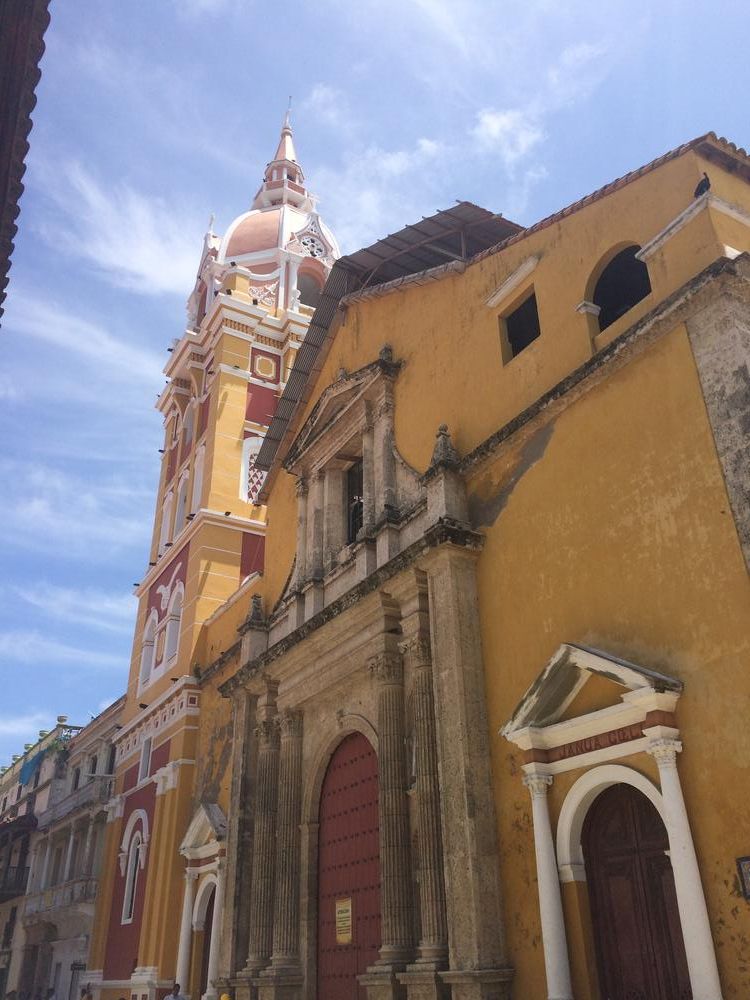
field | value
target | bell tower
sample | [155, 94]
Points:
[254, 296]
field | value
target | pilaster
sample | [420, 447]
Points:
[477, 950]
[262, 883]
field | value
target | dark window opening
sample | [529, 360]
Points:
[309, 290]
[19, 790]
[354, 501]
[522, 326]
[76, 778]
[111, 761]
[622, 283]
[93, 764]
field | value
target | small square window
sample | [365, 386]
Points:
[520, 327]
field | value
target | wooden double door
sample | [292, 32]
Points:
[348, 870]
[637, 933]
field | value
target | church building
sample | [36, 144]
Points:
[441, 655]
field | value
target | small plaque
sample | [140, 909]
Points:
[743, 870]
[344, 921]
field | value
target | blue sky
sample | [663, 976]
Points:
[152, 114]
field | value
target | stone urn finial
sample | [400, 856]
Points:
[444, 454]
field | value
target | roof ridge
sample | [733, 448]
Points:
[611, 186]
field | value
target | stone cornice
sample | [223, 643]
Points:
[445, 532]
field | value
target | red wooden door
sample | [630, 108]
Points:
[348, 869]
[639, 945]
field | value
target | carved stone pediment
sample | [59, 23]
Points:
[344, 410]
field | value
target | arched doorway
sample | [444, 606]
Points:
[206, 950]
[637, 933]
[348, 870]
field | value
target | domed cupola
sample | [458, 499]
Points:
[281, 242]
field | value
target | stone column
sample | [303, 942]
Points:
[368, 479]
[45, 864]
[434, 944]
[555, 944]
[69, 855]
[286, 913]
[214, 948]
[240, 822]
[262, 883]
[395, 877]
[477, 951]
[186, 933]
[315, 527]
[87, 860]
[300, 571]
[691, 903]
[334, 515]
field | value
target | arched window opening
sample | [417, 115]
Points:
[309, 289]
[148, 650]
[252, 477]
[174, 618]
[195, 501]
[187, 430]
[622, 283]
[182, 499]
[166, 519]
[131, 878]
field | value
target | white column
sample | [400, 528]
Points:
[556, 963]
[215, 947]
[69, 855]
[45, 865]
[696, 930]
[186, 933]
[86, 866]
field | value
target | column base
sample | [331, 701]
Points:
[423, 983]
[276, 984]
[242, 986]
[479, 984]
[381, 983]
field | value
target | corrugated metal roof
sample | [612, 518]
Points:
[457, 233]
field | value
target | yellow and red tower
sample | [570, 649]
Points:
[253, 299]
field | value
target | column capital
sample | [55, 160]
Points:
[664, 752]
[387, 667]
[417, 649]
[191, 875]
[266, 731]
[537, 784]
[290, 724]
[301, 487]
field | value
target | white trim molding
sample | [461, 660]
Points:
[578, 802]
[708, 200]
[512, 282]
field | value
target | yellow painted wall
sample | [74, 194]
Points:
[620, 536]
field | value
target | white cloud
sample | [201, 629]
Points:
[68, 515]
[511, 133]
[134, 240]
[376, 190]
[116, 358]
[88, 606]
[27, 725]
[329, 106]
[32, 648]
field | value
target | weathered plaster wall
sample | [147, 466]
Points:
[620, 536]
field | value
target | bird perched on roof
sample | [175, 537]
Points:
[704, 185]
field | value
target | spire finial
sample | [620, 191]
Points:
[288, 115]
[211, 221]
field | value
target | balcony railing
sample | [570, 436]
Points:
[13, 882]
[77, 890]
[97, 789]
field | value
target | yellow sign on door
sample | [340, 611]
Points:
[344, 921]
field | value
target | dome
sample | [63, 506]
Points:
[268, 229]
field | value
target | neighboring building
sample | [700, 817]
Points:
[66, 860]
[254, 296]
[431, 750]
[22, 27]
[26, 789]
